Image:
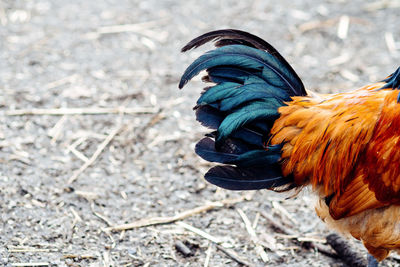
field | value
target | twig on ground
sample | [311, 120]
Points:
[107, 259]
[137, 27]
[121, 235]
[255, 222]
[25, 249]
[78, 154]
[113, 243]
[233, 255]
[208, 255]
[276, 225]
[215, 240]
[80, 111]
[282, 210]
[21, 156]
[343, 58]
[390, 42]
[316, 24]
[303, 238]
[180, 216]
[383, 4]
[199, 232]
[97, 214]
[60, 82]
[77, 218]
[142, 28]
[322, 249]
[319, 24]
[343, 27]
[260, 250]
[349, 75]
[30, 264]
[311, 239]
[56, 131]
[95, 154]
[77, 142]
[83, 257]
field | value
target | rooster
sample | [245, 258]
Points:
[271, 133]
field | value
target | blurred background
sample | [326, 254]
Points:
[94, 132]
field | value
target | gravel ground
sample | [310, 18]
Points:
[77, 54]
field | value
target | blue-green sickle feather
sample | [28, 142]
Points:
[252, 80]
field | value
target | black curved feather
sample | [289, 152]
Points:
[236, 178]
[233, 36]
[393, 81]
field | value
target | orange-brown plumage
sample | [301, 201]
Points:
[272, 133]
[332, 133]
[347, 148]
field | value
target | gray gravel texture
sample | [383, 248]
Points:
[62, 54]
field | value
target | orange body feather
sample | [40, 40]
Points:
[347, 147]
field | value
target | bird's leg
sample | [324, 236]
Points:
[372, 262]
[344, 251]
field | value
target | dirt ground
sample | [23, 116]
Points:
[102, 136]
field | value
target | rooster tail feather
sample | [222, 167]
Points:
[252, 80]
